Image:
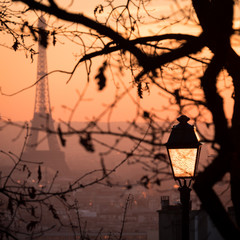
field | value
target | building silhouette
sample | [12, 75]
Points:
[201, 226]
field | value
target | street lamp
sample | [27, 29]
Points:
[183, 149]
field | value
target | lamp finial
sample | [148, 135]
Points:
[183, 119]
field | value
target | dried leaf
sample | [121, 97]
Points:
[53, 211]
[160, 156]
[158, 181]
[54, 38]
[43, 37]
[32, 192]
[15, 45]
[33, 211]
[101, 77]
[63, 197]
[21, 201]
[62, 140]
[10, 206]
[146, 114]
[23, 26]
[32, 30]
[39, 174]
[86, 142]
[103, 166]
[140, 91]
[24, 167]
[208, 125]
[29, 173]
[177, 96]
[98, 9]
[31, 225]
[145, 181]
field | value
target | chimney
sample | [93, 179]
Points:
[165, 202]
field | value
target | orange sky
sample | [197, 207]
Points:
[18, 72]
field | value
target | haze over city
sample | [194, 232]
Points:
[91, 94]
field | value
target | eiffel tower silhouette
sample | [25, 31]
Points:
[53, 158]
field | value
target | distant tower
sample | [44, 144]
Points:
[52, 158]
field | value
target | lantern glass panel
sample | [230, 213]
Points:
[183, 161]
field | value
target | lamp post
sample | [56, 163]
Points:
[183, 149]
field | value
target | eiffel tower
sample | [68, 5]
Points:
[53, 158]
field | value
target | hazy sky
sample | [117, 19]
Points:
[18, 72]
